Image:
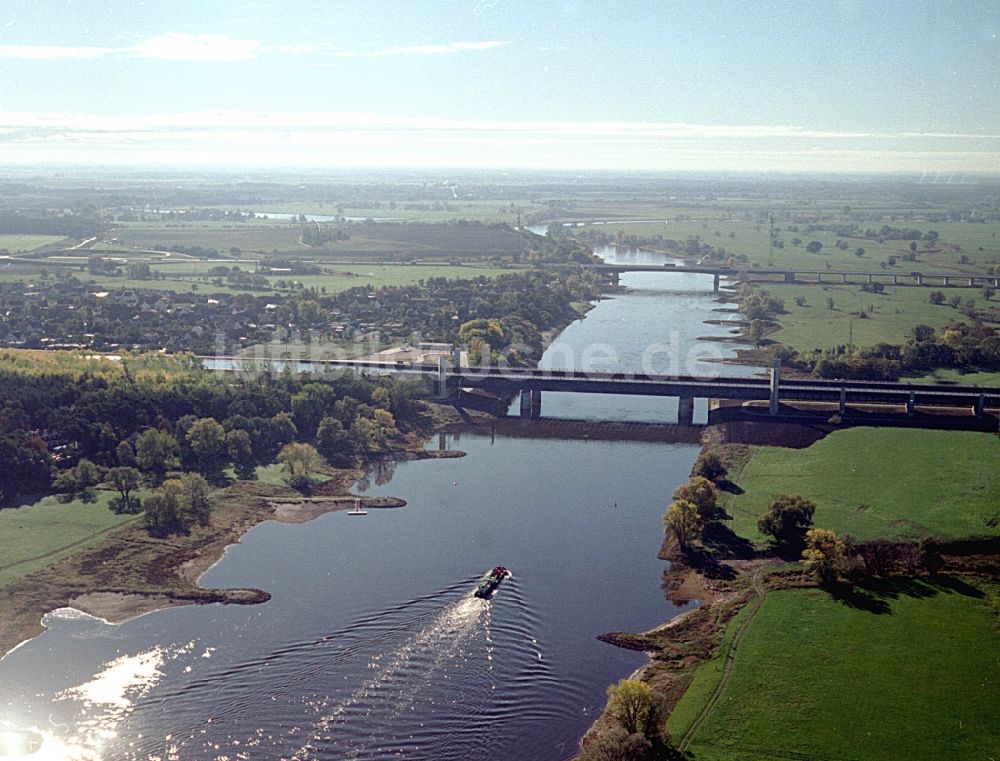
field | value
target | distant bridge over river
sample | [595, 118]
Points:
[613, 272]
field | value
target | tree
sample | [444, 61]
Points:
[385, 426]
[701, 493]
[311, 405]
[814, 246]
[240, 450]
[824, 555]
[161, 514]
[124, 480]
[709, 465]
[859, 252]
[683, 522]
[922, 333]
[364, 436]
[155, 452]
[299, 460]
[629, 702]
[936, 297]
[195, 505]
[25, 467]
[282, 430]
[757, 330]
[787, 518]
[333, 442]
[616, 745]
[207, 439]
[125, 454]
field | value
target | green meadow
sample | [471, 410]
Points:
[904, 669]
[880, 482]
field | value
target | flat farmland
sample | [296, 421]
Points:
[435, 241]
[17, 243]
[978, 243]
[890, 316]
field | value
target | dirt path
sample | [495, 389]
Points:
[727, 672]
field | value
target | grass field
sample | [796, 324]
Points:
[816, 326]
[189, 277]
[17, 243]
[422, 211]
[54, 529]
[950, 375]
[881, 482]
[909, 671]
[461, 242]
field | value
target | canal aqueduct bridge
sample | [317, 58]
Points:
[800, 276]
[773, 390]
[448, 380]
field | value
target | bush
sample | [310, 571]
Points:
[787, 518]
[125, 505]
[709, 465]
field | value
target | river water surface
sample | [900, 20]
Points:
[372, 645]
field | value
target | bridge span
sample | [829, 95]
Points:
[773, 390]
[447, 380]
[793, 275]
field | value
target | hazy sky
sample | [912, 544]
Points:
[854, 85]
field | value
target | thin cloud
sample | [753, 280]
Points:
[332, 122]
[52, 52]
[177, 46]
[445, 49]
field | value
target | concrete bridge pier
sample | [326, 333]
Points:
[920, 279]
[972, 282]
[536, 403]
[441, 380]
[843, 277]
[895, 279]
[869, 277]
[947, 280]
[616, 278]
[715, 282]
[685, 410]
[843, 402]
[525, 403]
[911, 404]
[775, 378]
[980, 407]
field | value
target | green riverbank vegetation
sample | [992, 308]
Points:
[850, 603]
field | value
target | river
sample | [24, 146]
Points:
[372, 645]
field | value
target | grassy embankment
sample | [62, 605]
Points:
[911, 674]
[880, 482]
[901, 667]
[37, 535]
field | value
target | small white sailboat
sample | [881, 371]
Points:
[357, 509]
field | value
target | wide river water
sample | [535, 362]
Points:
[372, 645]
